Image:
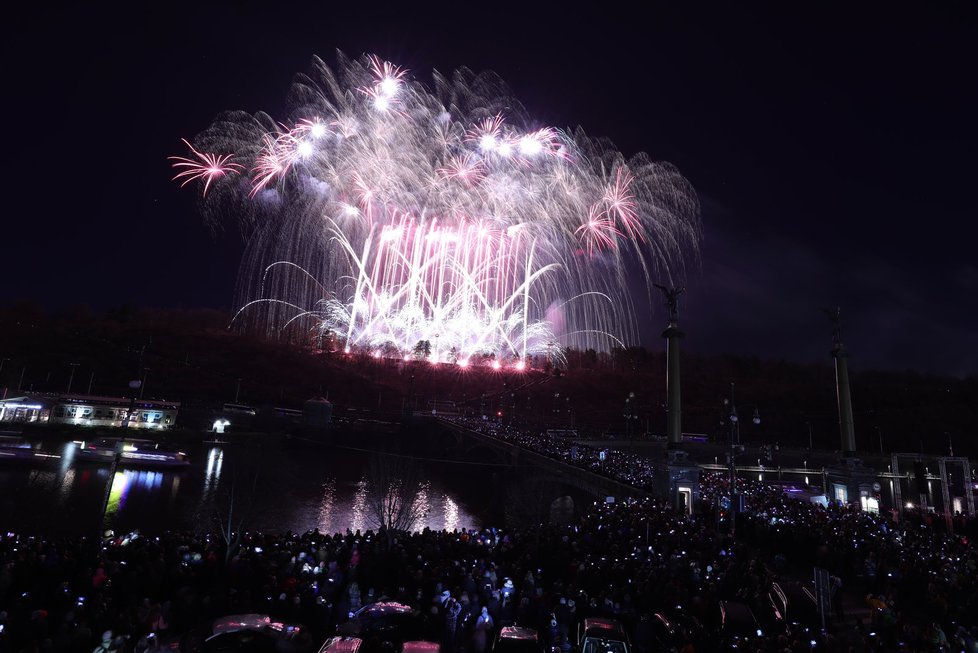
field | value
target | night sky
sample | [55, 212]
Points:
[833, 151]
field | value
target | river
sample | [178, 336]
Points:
[275, 487]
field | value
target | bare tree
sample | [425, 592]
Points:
[234, 510]
[242, 497]
[396, 493]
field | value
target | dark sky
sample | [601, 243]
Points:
[833, 149]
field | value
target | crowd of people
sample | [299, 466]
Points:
[625, 560]
[624, 466]
[897, 584]
[915, 572]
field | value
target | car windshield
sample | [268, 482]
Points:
[512, 645]
[594, 645]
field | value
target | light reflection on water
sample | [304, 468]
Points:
[301, 491]
[359, 512]
[325, 521]
[451, 513]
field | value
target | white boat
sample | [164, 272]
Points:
[134, 453]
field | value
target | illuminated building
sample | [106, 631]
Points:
[86, 410]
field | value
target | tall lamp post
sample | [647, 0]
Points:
[142, 384]
[630, 415]
[734, 442]
[733, 419]
[71, 377]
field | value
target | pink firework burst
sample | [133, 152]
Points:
[621, 203]
[207, 167]
[487, 133]
[598, 232]
[466, 167]
[389, 79]
[276, 158]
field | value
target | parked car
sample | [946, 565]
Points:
[341, 645]
[602, 636]
[794, 606]
[384, 627]
[737, 625]
[255, 633]
[517, 639]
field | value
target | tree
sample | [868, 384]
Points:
[233, 511]
[390, 350]
[396, 493]
[239, 499]
[422, 350]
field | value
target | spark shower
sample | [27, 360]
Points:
[387, 212]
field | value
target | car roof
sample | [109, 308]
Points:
[517, 632]
[664, 620]
[341, 645]
[420, 646]
[794, 590]
[737, 616]
[384, 608]
[603, 627]
[235, 622]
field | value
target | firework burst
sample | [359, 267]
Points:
[392, 212]
[206, 167]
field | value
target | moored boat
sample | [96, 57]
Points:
[134, 453]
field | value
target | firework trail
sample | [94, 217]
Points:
[388, 212]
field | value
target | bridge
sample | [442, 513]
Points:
[593, 484]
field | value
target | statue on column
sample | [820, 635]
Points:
[834, 315]
[672, 301]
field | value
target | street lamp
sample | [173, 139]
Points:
[71, 377]
[733, 444]
[142, 386]
[630, 415]
[734, 441]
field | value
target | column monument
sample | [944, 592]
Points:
[677, 479]
[849, 481]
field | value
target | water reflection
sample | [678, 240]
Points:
[328, 491]
[124, 482]
[117, 495]
[64, 488]
[212, 473]
[422, 504]
[359, 511]
[451, 514]
[325, 520]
